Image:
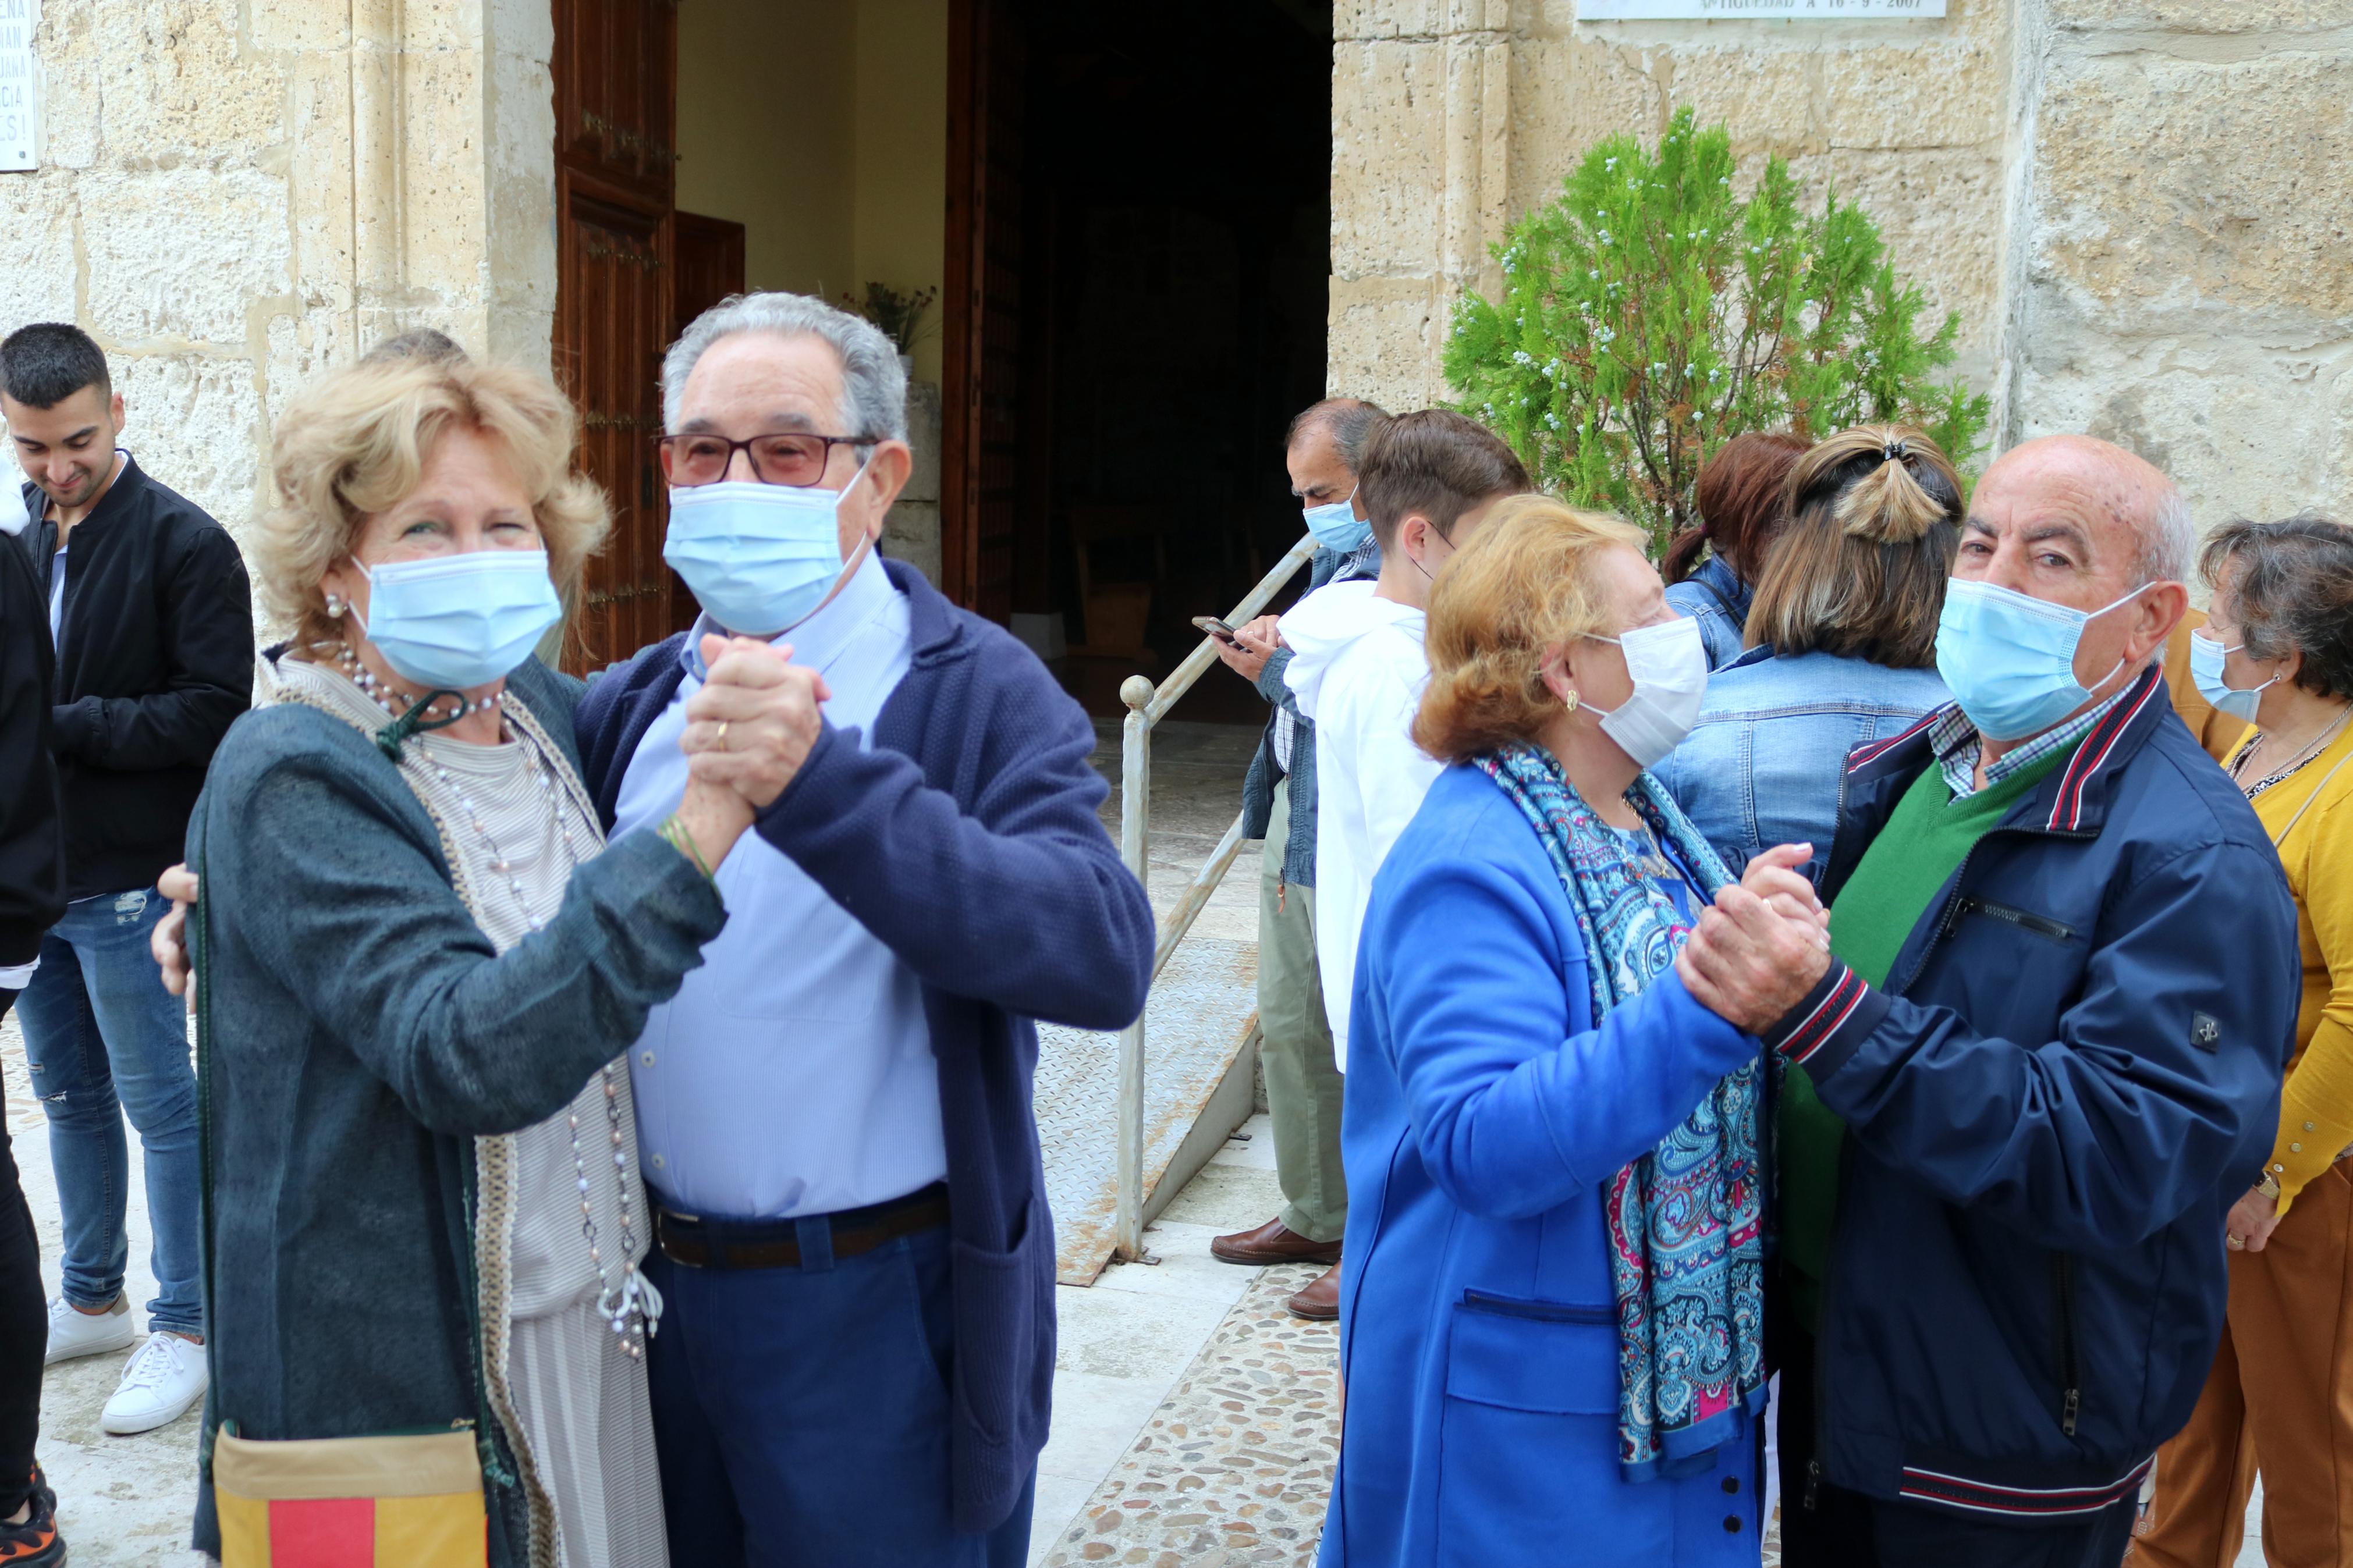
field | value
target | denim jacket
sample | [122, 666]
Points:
[1718, 600]
[1763, 764]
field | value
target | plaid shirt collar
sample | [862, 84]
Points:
[1957, 744]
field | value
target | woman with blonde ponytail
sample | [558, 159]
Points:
[1842, 643]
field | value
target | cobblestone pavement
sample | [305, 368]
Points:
[1236, 1464]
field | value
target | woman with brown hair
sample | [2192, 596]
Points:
[1842, 643]
[1551, 1290]
[1741, 510]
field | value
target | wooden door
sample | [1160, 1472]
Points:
[980, 446]
[710, 252]
[616, 88]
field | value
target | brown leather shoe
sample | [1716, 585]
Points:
[1271, 1243]
[1321, 1299]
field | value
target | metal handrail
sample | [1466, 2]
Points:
[1148, 704]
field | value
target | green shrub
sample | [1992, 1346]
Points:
[1649, 315]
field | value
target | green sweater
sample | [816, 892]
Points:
[1926, 837]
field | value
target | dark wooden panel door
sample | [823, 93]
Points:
[615, 68]
[980, 447]
[710, 252]
[613, 327]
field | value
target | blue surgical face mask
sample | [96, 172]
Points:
[758, 557]
[2010, 659]
[455, 622]
[1336, 526]
[2206, 657]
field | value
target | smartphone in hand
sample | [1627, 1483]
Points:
[1218, 629]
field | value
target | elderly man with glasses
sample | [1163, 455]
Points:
[833, 1114]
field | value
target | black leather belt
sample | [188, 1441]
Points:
[776, 1243]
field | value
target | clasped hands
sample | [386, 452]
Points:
[753, 724]
[1762, 945]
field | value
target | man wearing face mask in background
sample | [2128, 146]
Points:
[152, 618]
[834, 1113]
[1323, 449]
[1429, 479]
[2061, 987]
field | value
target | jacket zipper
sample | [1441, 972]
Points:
[1539, 1312]
[2070, 1398]
[2040, 925]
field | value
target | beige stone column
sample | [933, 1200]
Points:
[235, 195]
[2180, 273]
[1422, 145]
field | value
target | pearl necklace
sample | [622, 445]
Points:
[633, 1306]
[395, 701]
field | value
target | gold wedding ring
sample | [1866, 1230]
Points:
[2234, 1244]
[719, 741]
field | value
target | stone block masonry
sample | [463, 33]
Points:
[235, 195]
[2136, 205]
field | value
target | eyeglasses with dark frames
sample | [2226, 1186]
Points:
[785, 457]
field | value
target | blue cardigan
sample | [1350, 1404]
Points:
[1486, 1117]
[965, 839]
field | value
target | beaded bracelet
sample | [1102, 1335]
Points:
[675, 833]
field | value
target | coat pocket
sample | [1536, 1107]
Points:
[1550, 1357]
[1004, 1368]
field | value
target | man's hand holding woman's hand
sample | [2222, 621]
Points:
[1763, 945]
[748, 732]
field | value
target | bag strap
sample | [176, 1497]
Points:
[2281, 836]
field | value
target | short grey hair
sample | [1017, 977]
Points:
[874, 385]
[2169, 540]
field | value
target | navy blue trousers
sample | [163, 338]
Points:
[802, 1413]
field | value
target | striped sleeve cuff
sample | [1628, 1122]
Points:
[1822, 1030]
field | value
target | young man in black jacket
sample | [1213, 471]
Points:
[151, 618]
[32, 897]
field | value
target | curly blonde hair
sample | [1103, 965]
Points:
[1522, 588]
[355, 442]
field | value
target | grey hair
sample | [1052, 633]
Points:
[2169, 542]
[2291, 592]
[874, 385]
[1351, 421]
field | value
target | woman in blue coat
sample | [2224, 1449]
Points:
[1551, 1304]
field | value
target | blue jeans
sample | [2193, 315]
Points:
[801, 1414]
[103, 1038]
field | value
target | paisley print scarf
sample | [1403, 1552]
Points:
[1686, 1219]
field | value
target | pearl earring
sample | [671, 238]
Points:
[334, 607]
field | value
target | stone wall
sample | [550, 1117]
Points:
[235, 195]
[2181, 282]
[2138, 206]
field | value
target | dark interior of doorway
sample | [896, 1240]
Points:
[1175, 214]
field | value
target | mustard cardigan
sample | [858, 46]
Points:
[2309, 815]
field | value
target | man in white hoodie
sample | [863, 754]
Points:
[1358, 668]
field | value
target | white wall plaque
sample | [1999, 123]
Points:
[20, 78]
[1748, 10]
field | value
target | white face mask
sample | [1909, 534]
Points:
[1668, 665]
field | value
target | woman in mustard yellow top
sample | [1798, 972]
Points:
[2278, 649]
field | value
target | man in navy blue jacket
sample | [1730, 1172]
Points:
[857, 1350]
[2055, 1043]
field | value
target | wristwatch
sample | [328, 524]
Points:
[2269, 1186]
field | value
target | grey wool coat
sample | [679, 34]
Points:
[364, 1033]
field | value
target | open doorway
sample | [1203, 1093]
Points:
[1122, 214]
[1142, 248]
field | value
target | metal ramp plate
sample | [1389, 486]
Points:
[1194, 1026]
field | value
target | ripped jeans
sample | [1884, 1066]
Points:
[103, 1038]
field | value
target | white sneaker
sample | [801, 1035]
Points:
[162, 1380]
[73, 1331]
